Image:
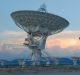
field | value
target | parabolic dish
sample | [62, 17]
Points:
[39, 22]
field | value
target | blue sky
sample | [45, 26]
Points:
[69, 9]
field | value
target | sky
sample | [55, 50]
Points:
[69, 9]
[67, 40]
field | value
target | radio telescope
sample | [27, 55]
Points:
[39, 25]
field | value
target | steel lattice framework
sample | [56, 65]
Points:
[40, 22]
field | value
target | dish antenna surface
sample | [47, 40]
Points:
[39, 25]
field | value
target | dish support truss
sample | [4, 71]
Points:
[36, 43]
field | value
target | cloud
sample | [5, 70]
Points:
[67, 34]
[12, 37]
[64, 39]
[13, 51]
[57, 51]
[62, 44]
[12, 34]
